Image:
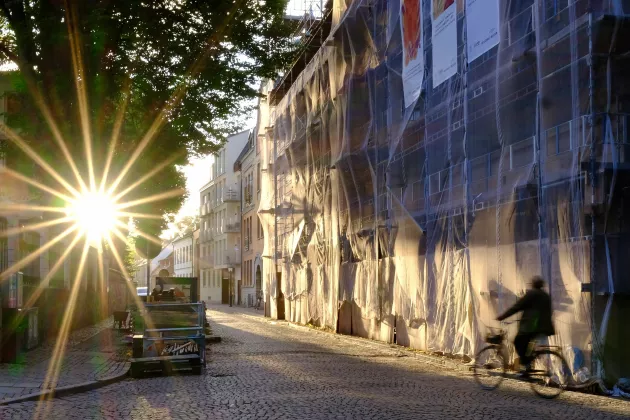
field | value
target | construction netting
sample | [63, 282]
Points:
[434, 155]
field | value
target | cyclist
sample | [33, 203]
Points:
[536, 320]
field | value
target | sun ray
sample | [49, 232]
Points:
[140, 215]
[33, 155]
[150, 199]
[36, 226]
[54, 366]
[179, 92]
[134, 293]
[34, 183]
[144, 178]
[79, 80]
[148, 237]
[44, 283]
[30, 257]
[102, 290]
[115, 133]
[41, 104]
[119, 234]
[29, 207]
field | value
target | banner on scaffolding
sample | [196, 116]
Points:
[444, 35]
[413, 56]
[482, 26]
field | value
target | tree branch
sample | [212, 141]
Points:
[10, 54]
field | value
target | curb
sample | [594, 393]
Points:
[212, 339]
[67, 390]
[426, 358]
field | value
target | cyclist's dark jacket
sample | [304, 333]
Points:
[536, 308]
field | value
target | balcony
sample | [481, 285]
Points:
[234, 227]
[228, 259]
[228, 195]
[206, 209]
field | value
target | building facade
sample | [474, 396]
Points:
[249, 167]
[423, 161]
[183, 255]
[41, 287]
[220, 232]
[210, 289]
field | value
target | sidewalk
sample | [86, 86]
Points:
[93, 353]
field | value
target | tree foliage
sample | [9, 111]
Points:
[124, 71]
[182, 226]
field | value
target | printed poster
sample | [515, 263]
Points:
[482, 26]
[413, 56]
[444, 33]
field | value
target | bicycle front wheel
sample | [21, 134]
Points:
[550, 374]
[489, 368]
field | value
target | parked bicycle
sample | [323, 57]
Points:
[259, 301]
[549, 375]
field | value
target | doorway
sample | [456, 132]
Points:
[280, 297]
[258, 281]
[225, 291]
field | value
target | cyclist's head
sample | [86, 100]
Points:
[538, 282]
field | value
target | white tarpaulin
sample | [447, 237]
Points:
[482, 26]
[444, 29]
[423, 213]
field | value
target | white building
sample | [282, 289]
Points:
[220, 230]
[140, 275]
[183, 256]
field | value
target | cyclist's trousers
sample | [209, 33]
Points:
[521, 344]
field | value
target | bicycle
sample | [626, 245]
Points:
[548, 378]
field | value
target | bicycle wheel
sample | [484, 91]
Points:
[550, 374]
[489, 368]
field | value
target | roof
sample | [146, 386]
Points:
[165, 253]
[310, 45]
[248, 147]
[188, 235]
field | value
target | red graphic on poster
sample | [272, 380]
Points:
[411, 29]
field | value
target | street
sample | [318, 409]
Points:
[272, 370]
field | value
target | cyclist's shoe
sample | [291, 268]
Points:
[525, 373]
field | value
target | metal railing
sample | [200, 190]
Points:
[229, 258]
[230, 195]
[234, 227]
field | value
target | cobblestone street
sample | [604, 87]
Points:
[92, 353]
[272, 370]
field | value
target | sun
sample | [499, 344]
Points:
[95, 214]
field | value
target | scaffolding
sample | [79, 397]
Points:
[419, 223]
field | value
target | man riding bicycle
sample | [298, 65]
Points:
[536, 320]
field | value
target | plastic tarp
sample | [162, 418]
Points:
[420, 222]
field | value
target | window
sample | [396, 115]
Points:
[258, 180]
[203, 276]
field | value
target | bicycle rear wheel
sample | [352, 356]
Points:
[550, 374]
[489, 368]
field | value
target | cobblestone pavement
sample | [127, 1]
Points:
[92, 353]
[272, 370]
